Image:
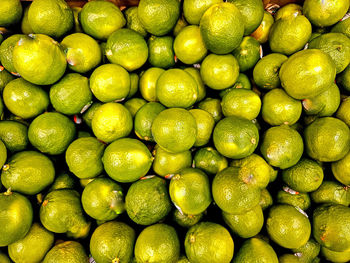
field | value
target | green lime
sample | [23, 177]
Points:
[301, 200]
[112, 242]
[309, 251]
[5, 78]
[100, 19]
[16, 217]
[46, 62]
[194, 9]
[327, 139]
[195, 73]
[222, 28]
[10, 12]
[14, 135]
[334, 256]
[342, 27]
[189, 46]
[147, 201]
[175, 130]
[82, 52]
[68, 251]
[343, 112]
[242, 82]
[6, 52]
[265, 199]
[167, 163]
[235, 137]
[111, 121]
[103, 199]
[161, 53]
[3, 154]
[205, 125]
[33, 247]
[144, 118]
[245, 225]
[288, 227]
[266, 71]
[331, 192]
[127, 48]
[126, 160]
[213, 106]
[134, 104]
[77, 26]
[50, 17]
[289, 258]
[186, 220]
[341, 169]
[51, 133]
[71, 94]
[148, 82]
[24, 99]
[180, 24]
[289, 10]
[209, 160]
[28, 172]
[89, 114]
[134, 85]
[157, 243]
[63, 181]
[247, 54]
[262, 32]
[159, 16]
[5, 259]
[208, 242]
[61, 212]
[279, 108]
[232, 194]
[176, 88]
[219, 71]
[133, 21]
[343, 79]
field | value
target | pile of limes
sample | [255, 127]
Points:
[201, 131]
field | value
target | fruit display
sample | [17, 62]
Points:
[174, 131]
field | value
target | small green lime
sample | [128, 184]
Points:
[161, 53]
[186, 220]
[343, 112]
[209, 160]
[5, 78]
[247, 53]
[90, 112]
[213, 106]
[331, 192]
[309, 251]
[265, 199]
[133, 21]
[6, 52]
[194, 9]
[14, 135]
[301, 200]
[195, 73]
[10, 12]
[148, 82]
[262, 32]
[68, 251]
[134, 104]
[205, 125]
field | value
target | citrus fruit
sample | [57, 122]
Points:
[282, 146]
[288, 227]
[194, 9]
[242, 82]
[3, 153]
[6, 52]
[309, 251]
[71, 94]
[219, 71]
[10, 12]
[76, 11]
[134, 104]
[39, 59]
[341, 169]
[335, 256]
[222, 28]
[327, 139]
[110, 82]
[90, 112]
[300, 200]
[247, 54]
[147, 201]
[265, 199]
[205, 125]
[342, 27]
[175, 130]
[159, 16]
[100, 19]
[127, 48]
[82, 52]
[160, 52]
[289, 10]
[148, 82]
[14, 135]
[5, 78]
[343, 112]
[262, 32]
[24, 99]
[133, 21]
[51, 133]
[33, 247]
[16, 217]
[157, 243]
[343, 79]
[209, 160]
[232, 194]
[331, 192]
[235, 137]
[112, 242]
[126, 160]
[61, 212]
[213, 106]
[5, 259]
[63, 181]
[111, 121]
[134, 85]
[180, 24]
[68, 251]
[195, 73]
[209, 242]
[50, 17]
[186, 220]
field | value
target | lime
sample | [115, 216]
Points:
[159, 16]
[262, 32]
[76, 11]
[343, 112]
[327, 139]
[103, 199]
[161, 53]
[71, 94]
[89, 114]
[51, 133]
[134, 85]
[25, 26]
[279, 108]
[50, 17]
[14, 135]
[144, 118]
[24, 99]
[222, 28]
[266, 71]
[245, 225]
[28, 172]
[180, 24]
[16, 217]
[300, 200]
[112, 242]
[195, 73]
[68, 251]
[186, 220]
[247, 53]
[133, 21]
[147, 201]
[63, 181]
[288, 227]
[175, 130]
[325, 13]
[232, 194]
[111, 121]
[189, 46]
[6, 52]
[61, 212]
[331, 192]
[235, 137]
[242, 82]
[289, 10]
[265, 199]
[167, 163]
[157, 243]
[10, 12]
[209, 160]
[213, 106]
[289, 258]
[343, 79]
[205, 125]
[100, 19]
[176, 88]
[194, 9]
[309, 251]
[134, 104]
[341, 169]
[282, 146]
[148, 82]
[3, 154]
[335, 256]
[5, 259]
[208, 242]
[126, 160]
[5, 77]
[82, 52]
[39, 59]
[342, 27]
[33, 247]
[127, 48]
[219, 71]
